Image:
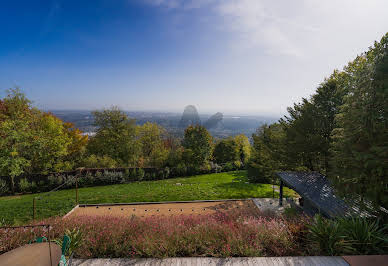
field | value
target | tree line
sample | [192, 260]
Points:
[340, 131]
[33, 141]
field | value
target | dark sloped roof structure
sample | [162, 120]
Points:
[317, 189]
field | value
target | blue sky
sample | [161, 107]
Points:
[233, 56]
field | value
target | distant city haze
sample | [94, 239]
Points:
[236, 57]
[218, 124]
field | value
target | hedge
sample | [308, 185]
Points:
[34, 183]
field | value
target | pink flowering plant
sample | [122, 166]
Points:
[217, 235]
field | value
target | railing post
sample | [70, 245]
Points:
[76, 187]
[273, 187]
[33, 208]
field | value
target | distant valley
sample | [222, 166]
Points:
[220, 125]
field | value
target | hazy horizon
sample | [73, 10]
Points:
[230, 56]
[176, 112]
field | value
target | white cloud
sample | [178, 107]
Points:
[285, 27]
[255, 25]
[251, 21]
[276, 52]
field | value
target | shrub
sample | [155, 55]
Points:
[229, 166]
[113, 177]
[359, 236]
[3, 222]
[205, 168]
[181, 169]
[290, 212]
[257, 175]
[327, 238]
[87, 179]
[365, 235]
[24, 185]
[237, 164]
[139, 174]
[3, 187]
[69, 180]
[217, 168]
[34, 187]
[99, 177]
[52, 181]
[133, 174]
[193, 170]
[95, 161]
[301, 169]
[75, 236]
[166, 172]
[60, 179]
[127, 175]
[153, 176]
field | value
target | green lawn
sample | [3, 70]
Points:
[230, 185]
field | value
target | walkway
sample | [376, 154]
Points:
[260, 261]
[270, 204]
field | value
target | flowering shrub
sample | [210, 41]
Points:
[218, 235]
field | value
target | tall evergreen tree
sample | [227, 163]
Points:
[309, 125]
[268, 153]
[360, 147]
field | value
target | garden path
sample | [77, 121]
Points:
[262, 261]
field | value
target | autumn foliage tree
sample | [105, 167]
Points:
[33, 141]
[198, 146]
[226, 150]
[115, 137]
[233, 149]
[151, 139]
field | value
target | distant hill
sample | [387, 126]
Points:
[189, 117]
[215, 121]
[219, 125]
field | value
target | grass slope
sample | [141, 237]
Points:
[230, 185]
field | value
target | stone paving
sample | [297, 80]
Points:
[271, 204]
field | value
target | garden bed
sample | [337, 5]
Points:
[163, 208]
[238, 232]
[243, 232]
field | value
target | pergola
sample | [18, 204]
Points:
[317, 190]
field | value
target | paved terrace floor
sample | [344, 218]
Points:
[270, 204]
[260, 261]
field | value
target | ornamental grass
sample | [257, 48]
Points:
[233, 234]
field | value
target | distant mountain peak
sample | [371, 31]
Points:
[189, 117]
[215, 121]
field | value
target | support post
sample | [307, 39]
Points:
[281, 193]
[76, 188]
[33, 208]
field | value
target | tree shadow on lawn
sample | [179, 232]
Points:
[244, 190]
[239, 176]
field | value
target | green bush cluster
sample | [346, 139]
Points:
[3, 187]
[111, 176]
[347, 236]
